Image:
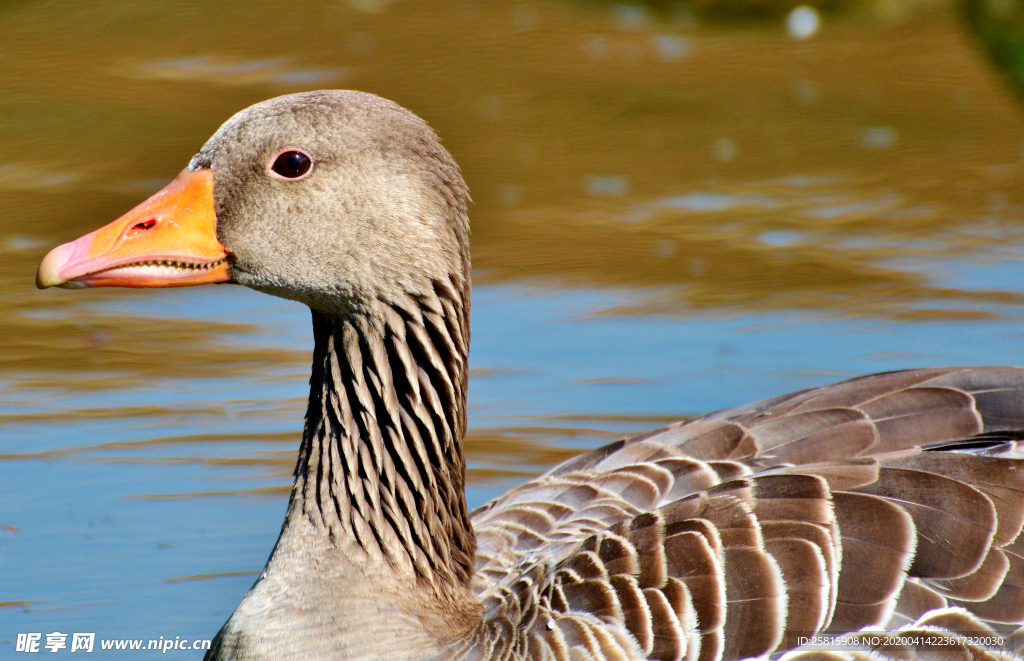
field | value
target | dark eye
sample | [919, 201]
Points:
[292, 164]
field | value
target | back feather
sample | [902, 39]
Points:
[892, 502]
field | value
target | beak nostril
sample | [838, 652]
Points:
[139, 228]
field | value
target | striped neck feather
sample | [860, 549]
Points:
[381, 461]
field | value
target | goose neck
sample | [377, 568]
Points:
[381, 467]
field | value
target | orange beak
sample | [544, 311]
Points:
[170, 240]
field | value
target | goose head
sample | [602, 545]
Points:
[331, 198]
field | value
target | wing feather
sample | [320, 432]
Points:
[891, 500]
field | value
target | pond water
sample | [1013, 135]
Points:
[672, 215]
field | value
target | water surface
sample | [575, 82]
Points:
[670, 216]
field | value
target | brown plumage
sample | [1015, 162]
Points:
[889, 502]
[792, 548]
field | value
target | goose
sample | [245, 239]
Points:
[889, 503]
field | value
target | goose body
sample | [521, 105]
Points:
[890, 502]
